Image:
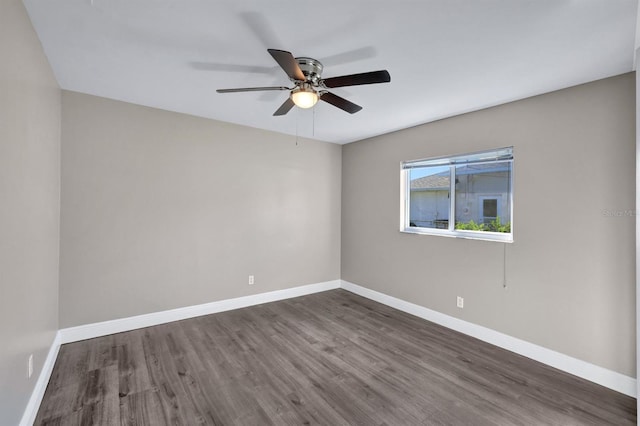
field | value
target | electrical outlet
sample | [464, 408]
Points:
[251, 280]
[30, 367]
[460, 302]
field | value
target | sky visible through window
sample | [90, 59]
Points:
[427, 171]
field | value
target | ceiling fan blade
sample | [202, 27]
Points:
[339, 102]
[350, 56]
[372, 77]
[259, 25]
[216, 66]
[288, 63]
[252, 89]
[285, 107]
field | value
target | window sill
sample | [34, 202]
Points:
[467, 235]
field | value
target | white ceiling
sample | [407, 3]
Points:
[445, 57]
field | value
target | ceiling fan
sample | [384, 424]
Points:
[305, 73]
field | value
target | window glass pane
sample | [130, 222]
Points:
[483, 194]
[429, 197]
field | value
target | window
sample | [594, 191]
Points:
[467, 196]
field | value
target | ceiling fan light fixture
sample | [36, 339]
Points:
[306, 74]
[304, 97]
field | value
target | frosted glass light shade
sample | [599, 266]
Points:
[304, 98]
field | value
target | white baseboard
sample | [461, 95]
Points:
[30, 412]
[594, 373]
[602, 376]
[89, 331]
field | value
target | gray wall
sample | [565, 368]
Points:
[571, 270]
[29, 207]
[162, 210]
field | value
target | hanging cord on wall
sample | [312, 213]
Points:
[504, 265]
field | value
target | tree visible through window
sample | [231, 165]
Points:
[482, 195]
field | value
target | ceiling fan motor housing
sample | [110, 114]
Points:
[311, 68]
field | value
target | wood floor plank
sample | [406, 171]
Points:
[132, 368]
[141, 408]
[331, 358]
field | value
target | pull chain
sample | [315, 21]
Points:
[297, 122]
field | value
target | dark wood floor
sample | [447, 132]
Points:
[331, 358]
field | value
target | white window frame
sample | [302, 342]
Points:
[493, 156]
